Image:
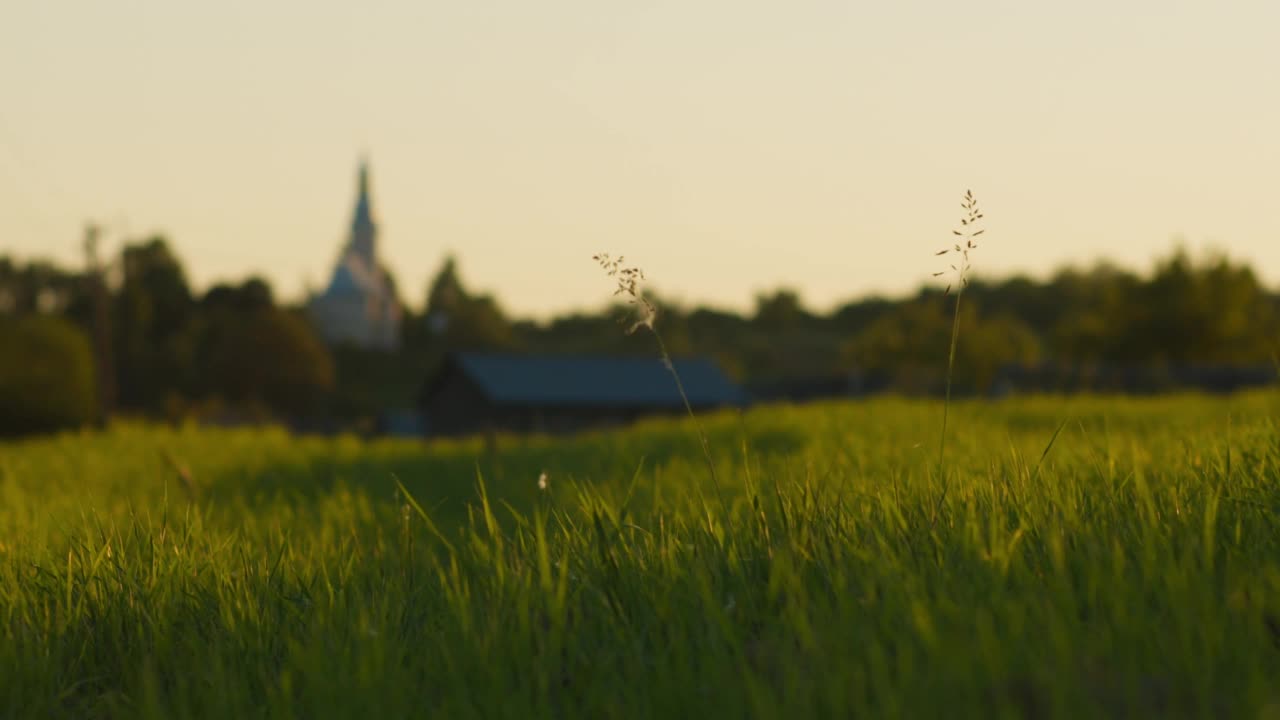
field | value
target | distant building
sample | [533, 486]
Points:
[477, 392]
[359, 306]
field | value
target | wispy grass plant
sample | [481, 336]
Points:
[966, 236]
[630, 287]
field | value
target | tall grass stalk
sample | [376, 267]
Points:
[966, 234]
[629, 286]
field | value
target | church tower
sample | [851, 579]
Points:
[359, 306]
[364, 231]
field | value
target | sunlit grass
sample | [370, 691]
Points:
[1132, 571]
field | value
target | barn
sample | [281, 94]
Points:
[481, 392]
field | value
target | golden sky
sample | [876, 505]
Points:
[728, 147]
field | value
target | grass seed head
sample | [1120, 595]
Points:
[970, 228]
[630, 286]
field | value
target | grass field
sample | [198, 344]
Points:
[1133, 570]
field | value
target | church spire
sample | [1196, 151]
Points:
[363, 228]
[360, 305]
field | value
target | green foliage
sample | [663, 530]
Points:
[905, 343]
[455, 319]
[151, 312]
[37, 287]
[1214, 312]
[263, 356]
[1210, 312]
[248, 355]
[780, 310]
[1079, 329]
[46, 375]
[1188, 312]
[232, 349]
[1132, 571]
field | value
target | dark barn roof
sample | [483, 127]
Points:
[592, 381]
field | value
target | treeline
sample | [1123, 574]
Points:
[1079, 326]
[137, 339]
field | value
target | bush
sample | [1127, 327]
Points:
[268, 357]
[46, 375]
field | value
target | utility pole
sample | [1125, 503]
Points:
[101, 328]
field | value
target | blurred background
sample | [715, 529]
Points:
[295, 212]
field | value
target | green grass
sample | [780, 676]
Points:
[1132, 570]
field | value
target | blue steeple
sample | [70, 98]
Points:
[364, 230]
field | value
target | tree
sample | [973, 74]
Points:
[1094, 317]
[37, 287]
[271, 358]
[251, 295]
[153, 310]
[1209, 313]
[251, 353]
[46, 375]
[781, 309]
[459, 320]
[909, 345]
